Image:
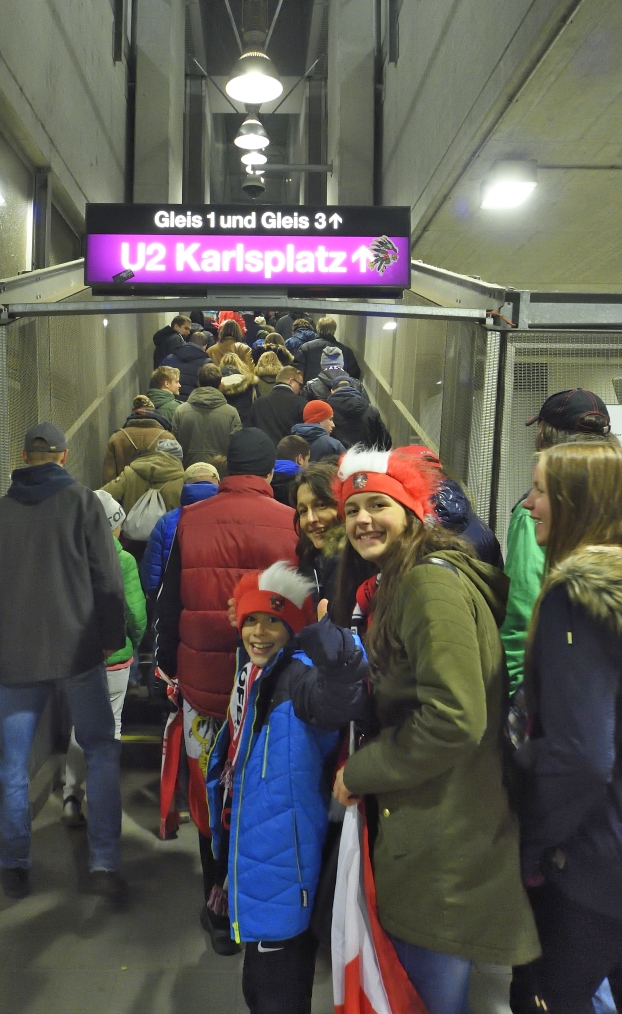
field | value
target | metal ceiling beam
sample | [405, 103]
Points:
[46, 284]
[446, 288]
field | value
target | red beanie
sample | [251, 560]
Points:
[399, 474]
[317, 412]
[281, 591]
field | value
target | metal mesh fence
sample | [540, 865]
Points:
[76, 372]
[538, 364]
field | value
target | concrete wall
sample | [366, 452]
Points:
[460, 63]
[62, 99]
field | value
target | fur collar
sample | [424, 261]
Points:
[593, 579]
[236, 383]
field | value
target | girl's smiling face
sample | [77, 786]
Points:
[539, 506]
[374, 522]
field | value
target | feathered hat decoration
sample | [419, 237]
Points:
[400, 474]
[281, 591]
[232, 315]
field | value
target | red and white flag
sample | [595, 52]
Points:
[367, 975]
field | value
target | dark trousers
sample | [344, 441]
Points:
[208, 864]
[278, 975]
[580, 948]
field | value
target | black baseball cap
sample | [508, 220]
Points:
[51, 434]
[567, 410]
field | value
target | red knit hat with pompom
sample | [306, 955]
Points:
[281, 591]
[400, 474]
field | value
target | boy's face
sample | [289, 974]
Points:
[263, 635]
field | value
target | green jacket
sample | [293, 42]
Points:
[157, 470]
[204, 425]
[135, 610]
[446, 857]
[164, 402]
[524, 565]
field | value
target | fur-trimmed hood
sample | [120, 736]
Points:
[593, 579]
[236, 383]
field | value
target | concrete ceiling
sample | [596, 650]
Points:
[568, 235]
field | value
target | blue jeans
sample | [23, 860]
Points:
[442, 980]
[20, 711]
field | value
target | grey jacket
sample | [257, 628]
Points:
[204, 425]
[61, 597]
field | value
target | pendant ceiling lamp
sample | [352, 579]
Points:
[252, 134]
[254, 79]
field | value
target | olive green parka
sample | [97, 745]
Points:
[446, 858]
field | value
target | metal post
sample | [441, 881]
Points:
[42, 218]
[498, 435]
[5, 434]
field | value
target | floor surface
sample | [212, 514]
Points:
[65, 952]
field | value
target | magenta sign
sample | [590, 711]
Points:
[135, 246]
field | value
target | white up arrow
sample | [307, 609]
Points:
[335, 220]
[362, 255]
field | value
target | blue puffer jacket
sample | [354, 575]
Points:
[298, 338]
[281, 791]
[455, 512]
[153, 563]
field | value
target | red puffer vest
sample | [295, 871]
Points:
[241, 528]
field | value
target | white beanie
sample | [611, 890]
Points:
[114, 510]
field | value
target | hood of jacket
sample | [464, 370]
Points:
[158, 467]
[452, 506]
[593, 579]
[146, 418]
[207, 398]
[160, 396]
[303, 334]
[283, 466]
[235, 383]
[492, 584]
[188, 353]
[164, 333]
[34, 483]
[194, 492]
[309, 431]
[348, 401]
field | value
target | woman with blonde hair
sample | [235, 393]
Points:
[230, 340]
[446, 853]
[268, 366]
[572, 819]
[239, 385]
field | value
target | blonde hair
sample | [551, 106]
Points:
[326, 325]
[163, 374]
[231, 359]
[269, 363]
[583, 483]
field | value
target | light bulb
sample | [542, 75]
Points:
[254, 79]
[391, 325]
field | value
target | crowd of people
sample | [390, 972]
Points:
[331, 617]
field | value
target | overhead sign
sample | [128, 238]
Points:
[137, 246]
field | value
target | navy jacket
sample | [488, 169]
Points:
[166, 340]
[298, 338]
[572, 815]
[281, 785]
[155, 557]
[322, 446]
[188, 359]
[277, 412]
[356, 421]
[455, 512]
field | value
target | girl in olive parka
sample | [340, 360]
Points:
[446, 857]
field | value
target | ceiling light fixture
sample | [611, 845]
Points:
[2, 200]
[510, 182]
[254, 79]
[254, 158]
[391, 325]
[252, 134]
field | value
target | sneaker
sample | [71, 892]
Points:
[184, 816]
[15, 882]
[72, 815]
[218, 927]
[107, 884]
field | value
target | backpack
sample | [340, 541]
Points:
[142, 518]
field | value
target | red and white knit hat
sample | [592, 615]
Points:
[400, 474]
[281, 591]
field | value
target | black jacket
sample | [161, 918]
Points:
[188, 359]
[309, 358]
[61, 597]
[166, 340]
[285, 326]
[455, 512]
[277, 412]
[356, 421]
[322, 387]
[572, 815]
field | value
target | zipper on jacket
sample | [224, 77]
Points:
[265, 753]
[296, 847]
[236, 923]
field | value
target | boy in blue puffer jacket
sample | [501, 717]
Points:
[268, 780]
[200, 483]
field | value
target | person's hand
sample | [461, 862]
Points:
[322, 609]
[341, 793]
[107, 652]
[233, 620]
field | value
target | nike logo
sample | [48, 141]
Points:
[266, 950]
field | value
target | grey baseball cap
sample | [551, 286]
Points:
[51, 434]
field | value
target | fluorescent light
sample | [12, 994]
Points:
[105, 322]
[2, 200]
[254, 79]
[252, 135]
[390, 325]
[509, 184]
[254, 158]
